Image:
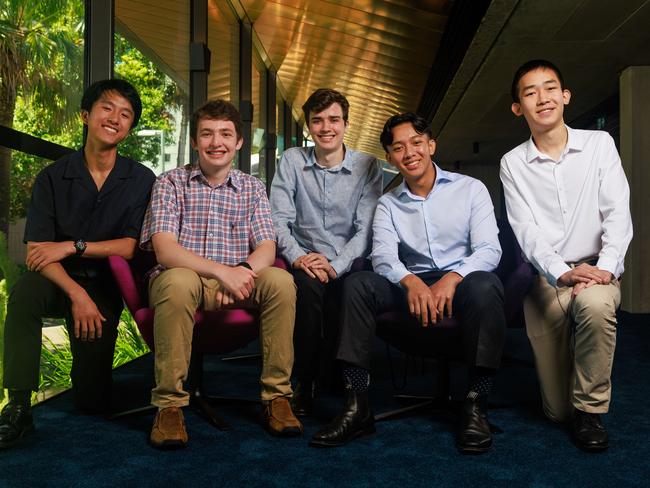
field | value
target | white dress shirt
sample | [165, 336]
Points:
[571, 209]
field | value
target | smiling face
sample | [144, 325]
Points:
[217, 144]
[109, 120]
[541, 100]
[327, 128]
[410, 153]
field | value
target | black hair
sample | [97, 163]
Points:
[529, 66]
[124, 88]
[323, 98]
[419, 123]
[217, 109]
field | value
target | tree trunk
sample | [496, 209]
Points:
[7, 108]
[182, 138]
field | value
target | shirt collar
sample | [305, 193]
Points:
[234, 178]
[575, 142]
[348, 159]
[76, 167]
[442, 176]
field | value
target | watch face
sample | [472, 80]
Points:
[80, 246]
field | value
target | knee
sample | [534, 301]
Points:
[594, 308]
[279, 283]
[176, 287]
[482, 287]
[306, 285]
[358, 284]
[23, 290]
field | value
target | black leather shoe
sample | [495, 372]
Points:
[302, 401]
[474, 435]
[589, 433]
[15, 423]
[354, 421]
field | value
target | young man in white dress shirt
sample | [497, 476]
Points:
[568, 203]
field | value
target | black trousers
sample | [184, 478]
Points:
[34, 297]
[477, 304]
[316, 327]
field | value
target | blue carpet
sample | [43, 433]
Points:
[73, 450]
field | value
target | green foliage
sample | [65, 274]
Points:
[56, 360]
[158, 94]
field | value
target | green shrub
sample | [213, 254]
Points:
[56, 360]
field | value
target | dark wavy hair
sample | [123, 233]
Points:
[124, 88]
[217, 109]
[323, 98]
[419, 123]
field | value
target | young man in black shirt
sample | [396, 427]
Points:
[85, 207]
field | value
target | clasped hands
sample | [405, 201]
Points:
[429, 303]
[316, 266]
[236, 285]
[583, 276]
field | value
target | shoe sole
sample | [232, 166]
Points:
[168, 445]
[361, 433]
[591, 449]
[288, 432]
[25, 432]
[473, 449]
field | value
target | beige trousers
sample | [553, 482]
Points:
[573, 342]
[177, 293]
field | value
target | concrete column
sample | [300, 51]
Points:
[635, 154]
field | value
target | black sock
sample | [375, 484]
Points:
[356, 378]
[20, 397]
[480, 382]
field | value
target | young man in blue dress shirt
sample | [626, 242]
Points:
[322, 199]
[568, 205]
[435, 243]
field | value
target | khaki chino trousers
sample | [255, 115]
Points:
[573, 341]
[177, 293]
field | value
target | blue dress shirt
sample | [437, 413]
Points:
[451, 229]
[325, 210]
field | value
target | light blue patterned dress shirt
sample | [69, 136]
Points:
[325, 210]
[453, 228]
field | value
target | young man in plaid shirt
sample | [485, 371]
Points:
[210, 226]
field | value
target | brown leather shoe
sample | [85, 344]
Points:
[279, 418]
[168, 431]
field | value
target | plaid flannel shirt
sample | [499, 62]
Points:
[224, 223]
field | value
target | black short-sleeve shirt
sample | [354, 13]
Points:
[66, 206]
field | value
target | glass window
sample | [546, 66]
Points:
[151, 53]
[41, 69]
[279, 124]
[223, 42]
[258, 126]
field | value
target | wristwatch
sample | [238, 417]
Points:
[80, 247]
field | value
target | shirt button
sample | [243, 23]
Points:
[210, 234]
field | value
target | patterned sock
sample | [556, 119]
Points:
[357, 379]
[480, 382]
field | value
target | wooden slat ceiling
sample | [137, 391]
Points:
[376, 52]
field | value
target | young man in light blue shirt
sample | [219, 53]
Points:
[322, 199]
[435, 243]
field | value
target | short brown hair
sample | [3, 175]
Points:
[216, 110]
[323, 98]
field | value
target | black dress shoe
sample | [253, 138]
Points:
[302, 401]
[589, 433]
[474, 435]
[354, 421]
[15, 422]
